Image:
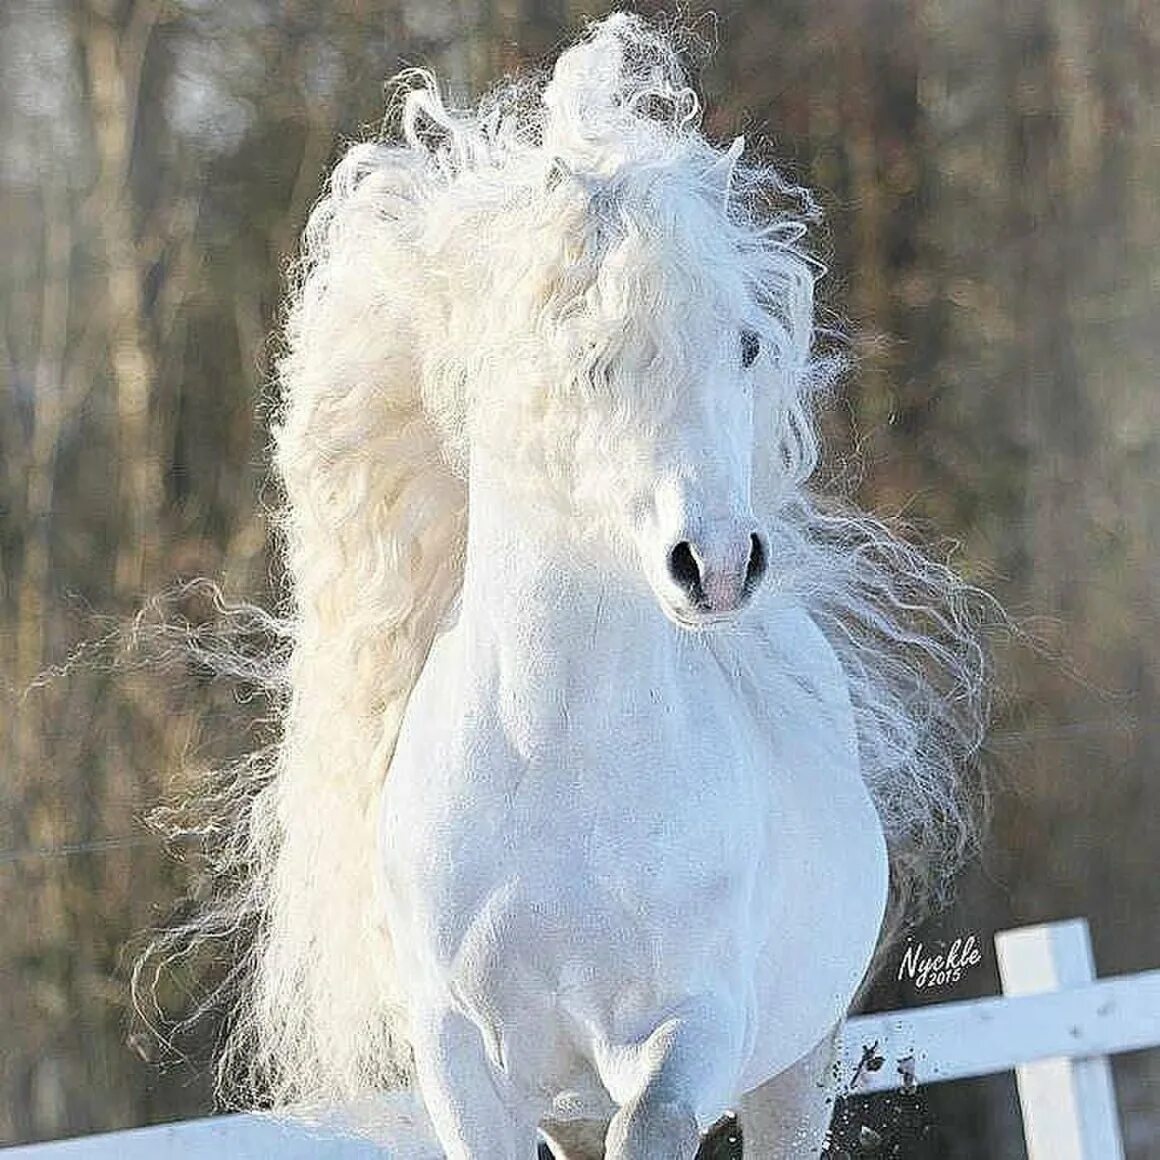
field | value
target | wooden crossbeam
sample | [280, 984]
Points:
[976, 1037]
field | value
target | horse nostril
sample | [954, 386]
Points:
[755, 569]
[683, 569]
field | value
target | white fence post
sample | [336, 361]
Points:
[1069, 1105]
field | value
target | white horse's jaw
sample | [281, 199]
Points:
[691, 619]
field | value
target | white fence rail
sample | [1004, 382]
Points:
[1055, 1025]
[218, 1138]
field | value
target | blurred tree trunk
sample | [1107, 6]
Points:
[1048, 260]
[113, 46]
[49, 408]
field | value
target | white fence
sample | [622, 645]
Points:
[1055, 1025]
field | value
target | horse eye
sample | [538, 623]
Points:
[750, 347]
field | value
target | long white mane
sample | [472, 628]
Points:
[382, 383]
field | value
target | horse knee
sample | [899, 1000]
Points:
[653, 1129]
[575, 1139]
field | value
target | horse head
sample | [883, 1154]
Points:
[669, 356]
[636, 345]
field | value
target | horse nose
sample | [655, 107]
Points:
[718, 581]
[756, 565]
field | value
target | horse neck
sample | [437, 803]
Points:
[523, 569]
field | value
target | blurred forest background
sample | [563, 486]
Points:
[989, 170]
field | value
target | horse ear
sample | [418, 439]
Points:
[558, 171]
[726, 164]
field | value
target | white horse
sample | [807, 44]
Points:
[601, 729]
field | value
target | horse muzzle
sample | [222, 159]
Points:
[708, 583]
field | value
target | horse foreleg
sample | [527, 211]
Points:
[679, 1083]
[787, 1117]
[472, 1108]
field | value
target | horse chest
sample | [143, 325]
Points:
[590, 822]
[573, 795]
[607, 851]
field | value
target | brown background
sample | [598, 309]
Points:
[989, 171]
